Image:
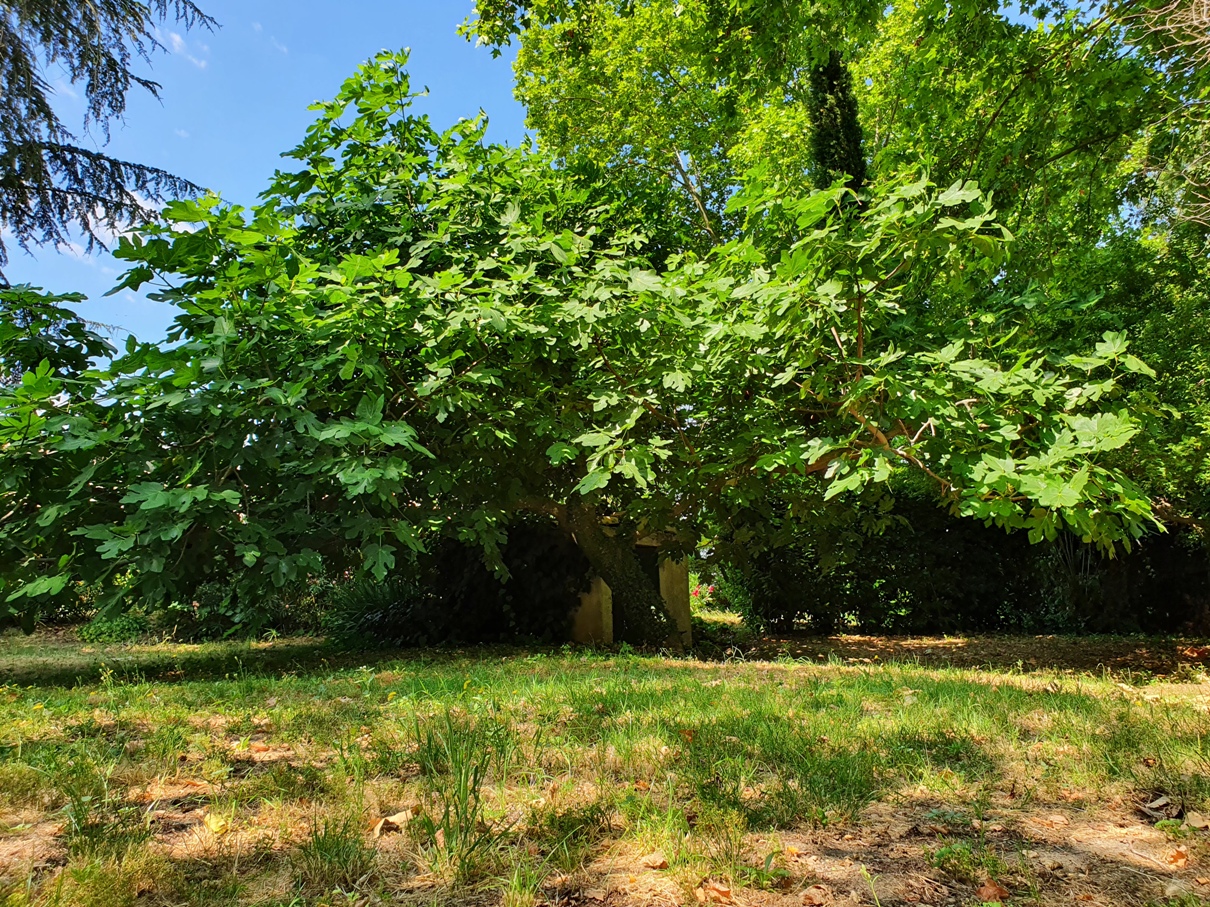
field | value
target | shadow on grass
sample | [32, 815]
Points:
[1145, 654]
[60, 662]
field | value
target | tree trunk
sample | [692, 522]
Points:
[644, 615]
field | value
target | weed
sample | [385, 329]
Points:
[1173, 828]
[1184, 900]
[23, 785]
[724, 832]
[869, 881]
[967, 861]
[282, 782]
[524, 884]
[603, 755]
[454, 763]
[99, 821]
[335, 856]
[109, 881]
[568, 837]
[167, 744]
[123, 628]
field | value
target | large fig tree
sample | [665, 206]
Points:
[419, 334]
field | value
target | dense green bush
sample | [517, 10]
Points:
[936, 574]
[397, 611]
[123, 628]
[449, 596]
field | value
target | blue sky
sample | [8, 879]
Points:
[233, 99]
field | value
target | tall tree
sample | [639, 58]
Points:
[690, 93]
[836, 142]
[50, 185]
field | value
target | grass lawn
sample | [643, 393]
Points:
[260, 774]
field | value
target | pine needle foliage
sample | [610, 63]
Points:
[51, 187]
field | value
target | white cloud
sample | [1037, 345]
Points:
[182, 133]
[63, 87]
[278, 45]
[180, 46]
[257, 27]
[79, 253]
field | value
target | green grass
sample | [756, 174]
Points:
[233, 773]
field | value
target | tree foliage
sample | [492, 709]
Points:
[50, 184]
[419, 335]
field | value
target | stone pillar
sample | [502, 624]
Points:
[593, 620]
[674, 589]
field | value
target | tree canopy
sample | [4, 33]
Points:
[418, 334]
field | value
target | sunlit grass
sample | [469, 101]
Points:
[230, 773]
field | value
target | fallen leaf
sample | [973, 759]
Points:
[390, 825]
[595, 894]
[216, 823]
[1202, 881]
[642, 785]
[712, 892]
[992, 892]
[654, 861]
[687, 733]
[1198, 821]
[1058, 819]
[816, 896]
[1084, 897]
[259, 747]
[1179, 857]
[1158, 803]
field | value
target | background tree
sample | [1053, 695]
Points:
[50, 186]
[688, 94]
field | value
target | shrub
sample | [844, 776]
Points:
[72, 606]
[925, 572]
[450, 596]
[123, 628]
[398, 611]
[215, 611]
